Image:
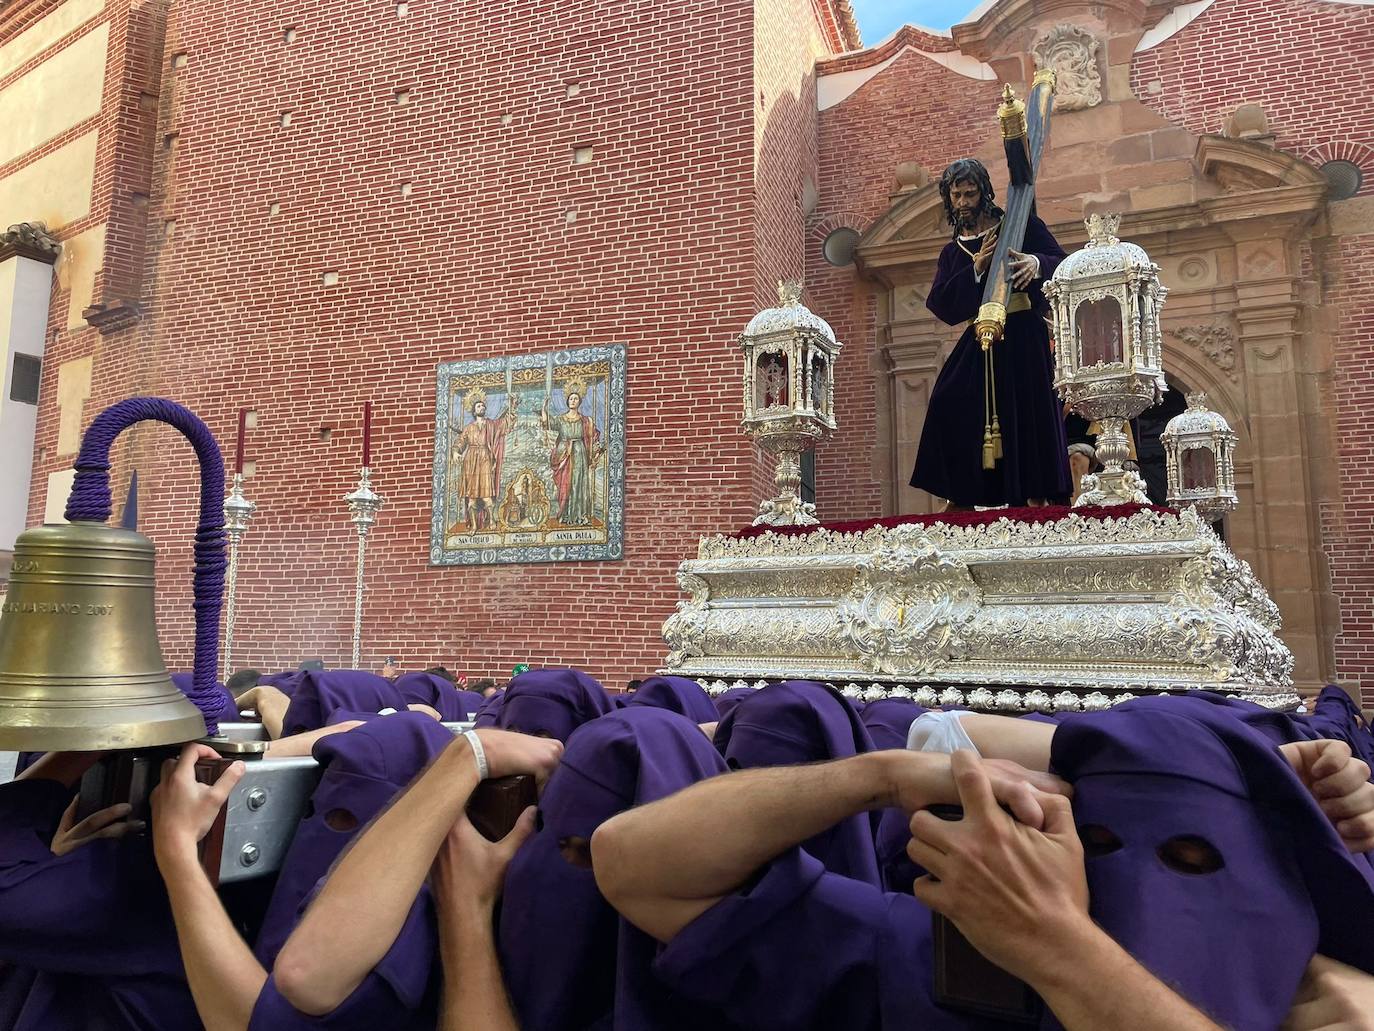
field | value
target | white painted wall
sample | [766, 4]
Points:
[25, 287]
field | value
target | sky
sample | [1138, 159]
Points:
[878, 19]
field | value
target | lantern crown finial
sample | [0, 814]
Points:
[1102, 228]
[789, 292]
[1197, 401]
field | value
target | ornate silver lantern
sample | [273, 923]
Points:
[1108, 349]
[789, 396]
[1199, 456]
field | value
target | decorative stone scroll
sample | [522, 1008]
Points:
[1071, 52]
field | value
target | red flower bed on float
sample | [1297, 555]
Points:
[1047, 514]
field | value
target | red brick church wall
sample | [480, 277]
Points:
[428, 162]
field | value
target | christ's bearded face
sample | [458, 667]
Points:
[966, 199]
[479, 410]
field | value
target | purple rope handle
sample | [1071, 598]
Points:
[90, 501]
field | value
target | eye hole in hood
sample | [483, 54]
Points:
[1098, 840]
[1190, 854]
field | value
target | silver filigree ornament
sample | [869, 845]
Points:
[1106, 300]
[789, 396]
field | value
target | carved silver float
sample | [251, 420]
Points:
[1071, 614]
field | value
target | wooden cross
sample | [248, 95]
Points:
[1025, 127]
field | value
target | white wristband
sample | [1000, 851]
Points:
[938, 732]
[479, 754]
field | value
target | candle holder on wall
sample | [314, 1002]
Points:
[363, 505]
[238, 510]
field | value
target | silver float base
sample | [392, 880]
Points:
[1077, 613]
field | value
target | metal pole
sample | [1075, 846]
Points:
[237, 511]
[363, 505]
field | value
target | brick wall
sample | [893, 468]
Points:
[501, 244]
[1310, 65]
[1348, 527]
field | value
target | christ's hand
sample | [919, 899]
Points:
[983, 258]
[1025, 269]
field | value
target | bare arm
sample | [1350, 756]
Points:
[355, 919]
[1020, 896]
[302, 744]
[224, 976]
[467, 878]
[270, 703]
[663, 865]
[1026, 742]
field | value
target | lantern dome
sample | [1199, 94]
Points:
[790, 315]
[1103, 254]
[1197, 420]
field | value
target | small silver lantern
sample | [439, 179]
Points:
[789, 396]
[1199, 456]
[1108, 349]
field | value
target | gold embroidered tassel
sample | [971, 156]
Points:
[992, 399]
[989, 415]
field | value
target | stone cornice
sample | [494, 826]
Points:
[29, 240]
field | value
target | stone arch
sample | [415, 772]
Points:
[1361, 155]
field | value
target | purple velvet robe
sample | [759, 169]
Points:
[552, 703]
[677, 694]
[86, 939]
[320, 692]
[726, 701]
[1234, 941]
[949, 459]
[888, 720]
[490, 710]
[800, 721]
[557, 935]
[436, 692]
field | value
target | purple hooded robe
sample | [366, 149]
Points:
[800, 721]
[557, 934]
[677, 694]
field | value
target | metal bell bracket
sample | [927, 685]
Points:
[90, 501]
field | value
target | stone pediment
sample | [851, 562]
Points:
[1243, 166]
[983, 36]
[910, 233]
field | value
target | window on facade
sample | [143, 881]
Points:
[838, 248]
[1343, 179]
[24, 378]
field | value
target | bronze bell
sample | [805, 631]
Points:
[80, 664]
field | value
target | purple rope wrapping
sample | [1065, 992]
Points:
[90, 501]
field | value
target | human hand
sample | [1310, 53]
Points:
[1025, 269]
[184, 809]
[1340, 784]
[983, 258]
[922, 779]
[470, 869]
[509, 753]
[1332, 997]
[1018, 894]
[111, 822]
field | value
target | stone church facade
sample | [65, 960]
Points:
[296, 207]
